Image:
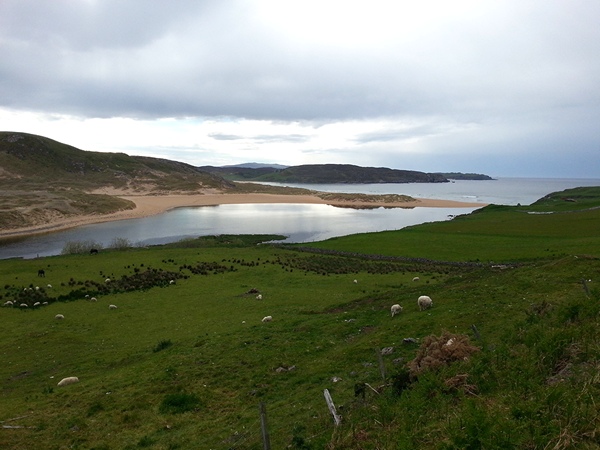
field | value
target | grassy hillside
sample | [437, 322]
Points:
[42, 179]
[560, 224]
[508, 357]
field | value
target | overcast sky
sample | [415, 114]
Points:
[505, 88]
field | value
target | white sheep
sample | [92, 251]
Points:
[93, 299]
[49, 286]
[355, 281]
[23, 305]
[68, 380]
[59, 317]
[416, 279]
[259, 297]
[8, 303]
[36, 304]
[267, 319]
[107, 280]
[112, 306]
[171, 281]
[424, 302]
[396, 309]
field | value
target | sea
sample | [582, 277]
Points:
[297, 222]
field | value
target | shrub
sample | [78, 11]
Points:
[75, 247]
[120, 243]
[165, 343]
[179, 403]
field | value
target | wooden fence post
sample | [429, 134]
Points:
[336, 418]
[381, 365]
[263, 426]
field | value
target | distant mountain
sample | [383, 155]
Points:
[327, 173]
[253, 165]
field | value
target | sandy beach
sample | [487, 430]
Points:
[149, 205]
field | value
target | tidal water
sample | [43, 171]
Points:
[299, 223]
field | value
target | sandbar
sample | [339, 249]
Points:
[150, 205]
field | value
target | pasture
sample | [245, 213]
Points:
[185, 364]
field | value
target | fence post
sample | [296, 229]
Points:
[336, 418]
[381, 365]
[263, 427]
[476, 332]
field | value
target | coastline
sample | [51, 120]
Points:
[150, 205]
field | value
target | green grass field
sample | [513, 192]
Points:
[185, 365]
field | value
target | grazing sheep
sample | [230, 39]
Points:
[23, 305]
[59, 317]
[44, 303]
[424, 302]
[267, 319]
[93, 299]
[41, 273]
[93, 251]
[416, 279]
[355, 281]
[107, 280]
[112, 306]
[171, 281]
[68, 380]
[259, 297]
[36, 304]
[49, 286]
[396, 309]
[8, 303]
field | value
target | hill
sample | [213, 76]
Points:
[328, 173]
[32, 160]
[42, 179]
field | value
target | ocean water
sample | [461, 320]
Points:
[299, 223]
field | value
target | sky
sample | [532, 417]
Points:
[508, 88]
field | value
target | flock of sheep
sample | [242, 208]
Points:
[424, 302]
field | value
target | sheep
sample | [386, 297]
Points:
[36, 304]
[259, 297]
[8, 303]
[112, 306]
[396, 309]
[171, 281]
[355, 281]
[59, 317]
[68, 380]
[416, 279]
[107, 280]
[49, 286]
[41, 273]
[23, 305]
[93, 299]
[424, 302]
[267, 319]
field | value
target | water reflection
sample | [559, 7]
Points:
[299, 222]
